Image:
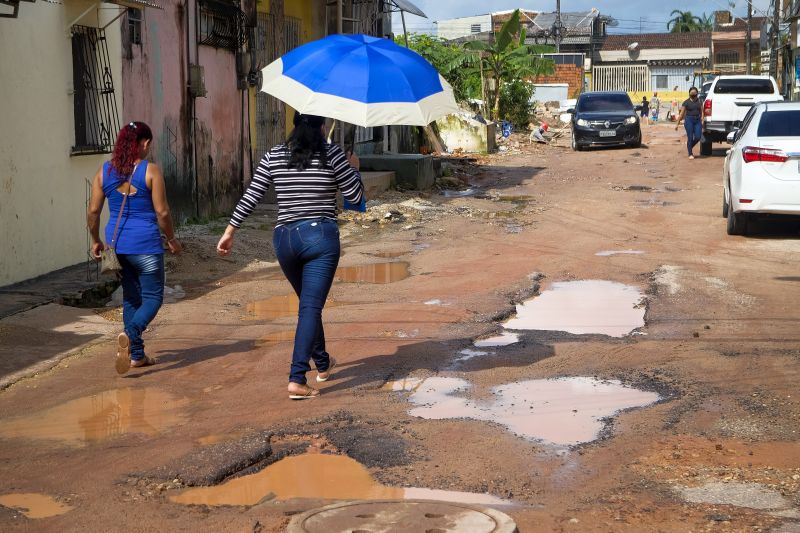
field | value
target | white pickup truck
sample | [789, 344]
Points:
[728, 101]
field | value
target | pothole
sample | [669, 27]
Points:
[100, 417]
[563, 412]
[609, 253]
[375, 273]
[750, 495]
[581, 308]
[34, 505]
[504, 339]
[277, 307]
[316, 476]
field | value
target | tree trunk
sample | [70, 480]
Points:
[496, 106]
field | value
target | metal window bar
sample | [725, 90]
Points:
[95, 101]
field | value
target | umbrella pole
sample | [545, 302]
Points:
[405, 33]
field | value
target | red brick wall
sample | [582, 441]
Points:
[570, 74]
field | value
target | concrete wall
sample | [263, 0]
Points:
[43, 189]
[461, 27]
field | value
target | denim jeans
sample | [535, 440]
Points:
[694, 131]
[142, 295]
[308, 252]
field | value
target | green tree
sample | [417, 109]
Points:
[450, 60]
[684, 21]
[515, 102]
[507, 59]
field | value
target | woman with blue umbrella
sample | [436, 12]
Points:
[358, 79]
[306, 172]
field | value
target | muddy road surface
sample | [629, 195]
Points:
[578, 344]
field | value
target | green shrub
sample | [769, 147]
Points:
[515, 103]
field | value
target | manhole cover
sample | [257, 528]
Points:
[407, 516]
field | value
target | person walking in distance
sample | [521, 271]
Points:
[139, 212]
[645, 113]
[306, 172]
[691, 114]
[655, 104]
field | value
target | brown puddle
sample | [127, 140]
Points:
[100, 417]
[276, 307]
[316, 476]
[563, 412]
[286, 335]
[374, 273]
[34, 505]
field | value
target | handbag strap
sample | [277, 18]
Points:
[124, 199]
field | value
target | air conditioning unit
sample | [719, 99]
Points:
[197, 81]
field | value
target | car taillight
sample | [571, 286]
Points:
[707, 107]
[766, 155]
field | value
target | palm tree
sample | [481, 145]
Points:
[684, 21]
[706, 22]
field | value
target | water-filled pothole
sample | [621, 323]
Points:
[277, 307]
[582, 307]
[563, 411]
[316, 476]
[100, 417]
[286, 335]
[609, 253]
[34, 505]
[374, 273]
[504, 339]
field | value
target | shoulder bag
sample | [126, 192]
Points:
[109, 262]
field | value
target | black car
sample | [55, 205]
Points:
[605, 119]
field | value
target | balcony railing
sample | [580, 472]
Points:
[736, 68]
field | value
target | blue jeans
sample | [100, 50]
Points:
[308, 252]
[694, 131]
[142, 295]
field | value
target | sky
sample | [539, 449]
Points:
[633, 15]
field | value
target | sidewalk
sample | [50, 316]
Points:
[37, 331]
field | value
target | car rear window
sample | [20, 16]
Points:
[604, 102]
[744, 86]
[780, 124]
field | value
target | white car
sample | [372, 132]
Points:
[762, 169]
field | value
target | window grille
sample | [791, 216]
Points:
[727, 56]
[94, 100]
[134, 25]
[475, 28]
[662, 81]
[221, 25]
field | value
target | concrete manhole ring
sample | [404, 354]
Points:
[408, 516]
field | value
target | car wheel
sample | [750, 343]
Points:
[725, 206]
[737, 222]
[636, 144]
[706, 148]
[575, 145]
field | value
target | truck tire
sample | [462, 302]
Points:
[706, 148]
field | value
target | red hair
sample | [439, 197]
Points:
[126, 149]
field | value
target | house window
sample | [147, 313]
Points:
[727, 56]
[134, 25]
[220, 25]
[475, 28]
[662, 81]
[94, 100]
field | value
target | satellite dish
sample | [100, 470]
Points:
[408, 7]
[633, 47]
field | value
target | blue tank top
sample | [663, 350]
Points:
[138, 231]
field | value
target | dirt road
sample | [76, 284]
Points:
[684, 415]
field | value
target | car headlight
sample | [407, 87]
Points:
[631, 120]
[582, 122]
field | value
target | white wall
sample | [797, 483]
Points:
[462, 27]
[42, 188]
[676, 76]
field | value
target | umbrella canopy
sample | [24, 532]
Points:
[362, 80]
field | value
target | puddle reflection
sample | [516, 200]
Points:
[564, 411]
[100, 417]
[276, 337]
[34, 505]
[583, 307]
[374, 273]
[504, 339]
[316, 476]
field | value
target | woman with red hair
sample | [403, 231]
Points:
[137, 202]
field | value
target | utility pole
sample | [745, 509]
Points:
[557, 26]
[749, 38]
[775, 38]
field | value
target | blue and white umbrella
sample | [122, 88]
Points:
[361, 80]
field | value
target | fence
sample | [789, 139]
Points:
[630, 78]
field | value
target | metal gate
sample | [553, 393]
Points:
[629, 78]
[271, 112]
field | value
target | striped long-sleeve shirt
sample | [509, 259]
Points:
[302, 194]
